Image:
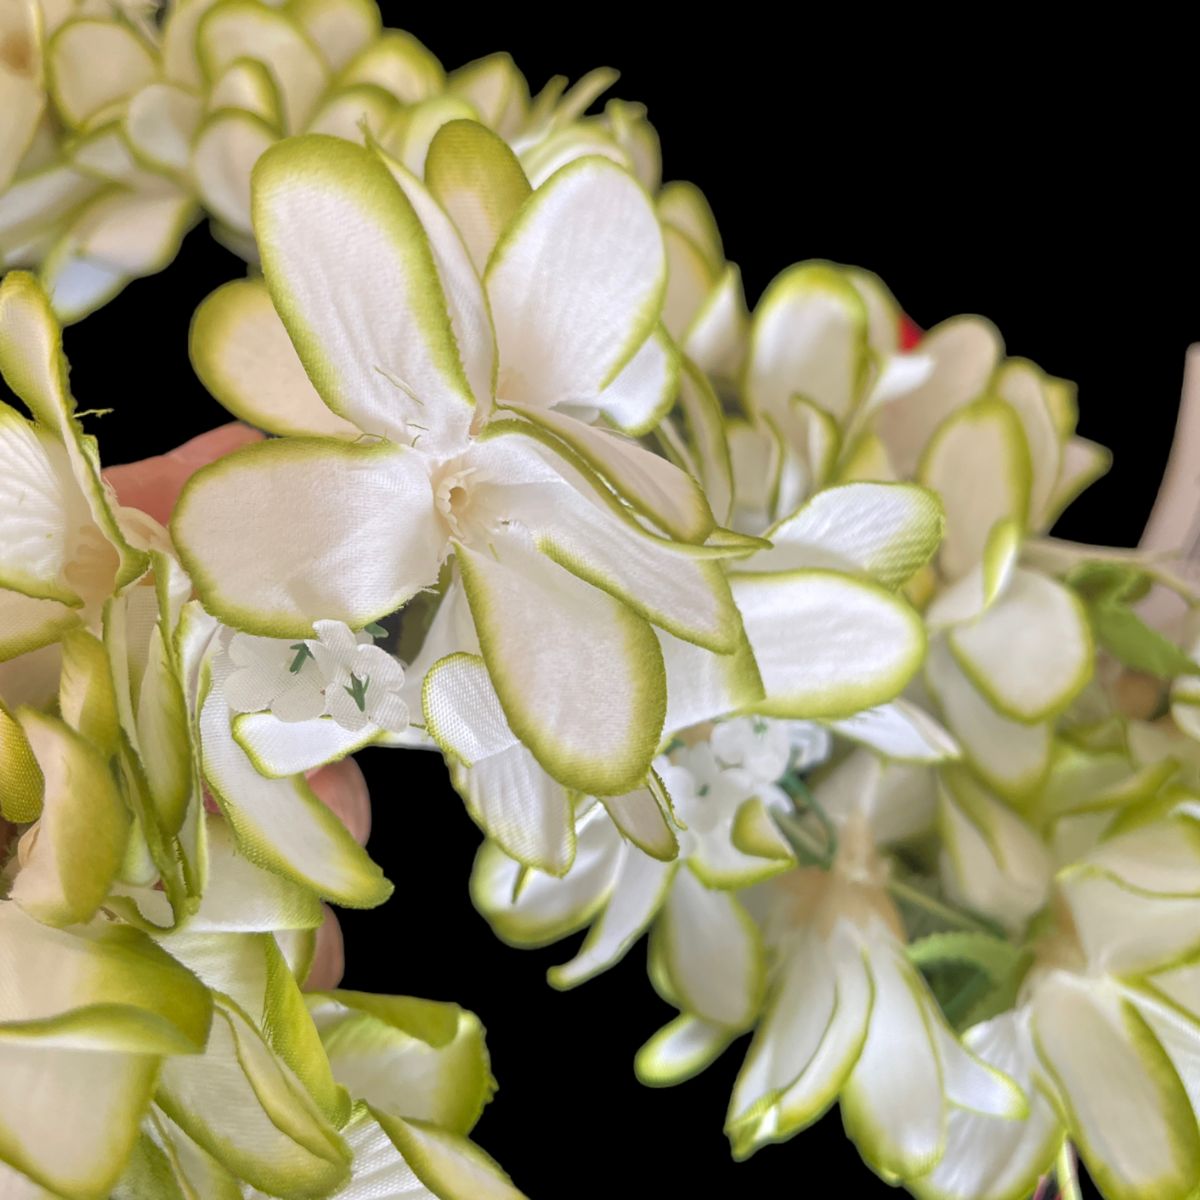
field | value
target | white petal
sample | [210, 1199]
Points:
[229, 32]
[1020, 384]
[886, 530]
[680, 1050]
[355, 570]
[827, 645]
[339, 28]
[539, 667]
[1125, 1105]
[899, 730]
[92, 63]
[988, 1158]
[993, 862]
[380, 350]
[892, 1105]
[398, 63]
[223, 157]
[575, 285]
[280, 824]
[278, 748]
[712, 953]
[654, 487]
[1031, 652]
[800, 1016]
[808, 338]
[575, 520]
[478, 181]
[638, 892]
[1012, 757]
[533, 908]
[978, 462]
[243, 355]
[965, 352]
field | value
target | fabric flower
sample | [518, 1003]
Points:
[515, 496]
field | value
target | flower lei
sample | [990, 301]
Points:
[741, 629]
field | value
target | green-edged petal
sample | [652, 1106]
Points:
[381, 1053]
[1031, 652]
[513, 799]
[245, 1107]
[680, 1050]
[228, 145]
[80, 839]
[827, 645]
[993, 862]
[638, 894]
[978, 462]
[478, 181]
[243, 355]
[899, 730]
[639, 397]
[1125, 1105]
[651, 485]
[297, 557]
[93, 63]
[808, 338]
[575, 285]
[234, 28]
[965, 352]
[712, 953]
[340, 29]
[1013, 757]
[884, 530]
[531, 908]
[281, 748]
[537, 667]
[399, 64]
[451, 1167]
[380, 349]
[279, 823]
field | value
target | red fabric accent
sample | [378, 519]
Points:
[910, 332]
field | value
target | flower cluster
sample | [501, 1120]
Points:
[743, 630]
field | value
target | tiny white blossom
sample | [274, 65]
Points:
[274, 674]
[362, 682]
[338, 674]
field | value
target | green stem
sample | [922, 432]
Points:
[1066, 1171]
[937, 908]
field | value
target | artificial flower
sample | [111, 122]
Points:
[516, 496]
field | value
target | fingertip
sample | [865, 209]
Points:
[153, 484]
[329, 956]
[342, 787]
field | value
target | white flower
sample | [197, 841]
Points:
[564, 581]
[338, 674]
[362, 681]
[767, 748]
[844, 995]
[275, 674]
[1105, 1030]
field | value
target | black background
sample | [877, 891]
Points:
[1058, 211]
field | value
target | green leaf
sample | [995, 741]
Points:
[1108, 591]
[1131, 641]
[972, 975]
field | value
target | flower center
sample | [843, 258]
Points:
[452, 497]
[92, 566]
[1058, 948]
[854, 888]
